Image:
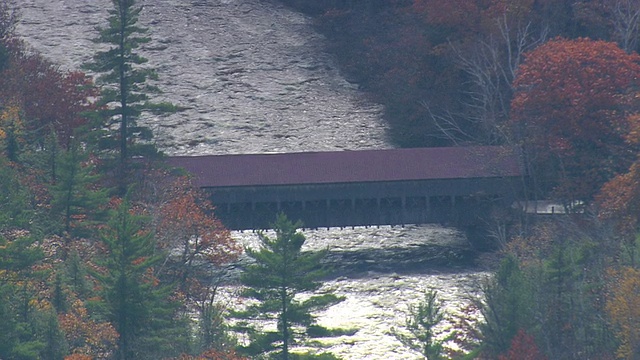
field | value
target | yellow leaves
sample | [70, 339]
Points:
[624, 310]
[40, 304]
[633, 136]
[10, 121]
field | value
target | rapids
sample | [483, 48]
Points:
[254, 77]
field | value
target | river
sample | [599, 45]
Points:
[253, 77]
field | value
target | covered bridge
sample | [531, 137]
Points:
[450, 185]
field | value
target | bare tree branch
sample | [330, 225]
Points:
[492, 66]
[626, 22]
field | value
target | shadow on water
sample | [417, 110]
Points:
[361, 263]
[401, 260]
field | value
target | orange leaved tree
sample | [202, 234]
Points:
[570, 111]
[198, 244]
[197, 239]
[523, 347]
[623, 308]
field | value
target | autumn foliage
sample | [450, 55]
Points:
[523, 347]
[50, 98]
[454, 14]
[188, 219]
[86, 336]
[619, 200]
[187, 222]
[571, 109]
[623, 308]
[213, 354]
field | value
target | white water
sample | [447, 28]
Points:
[251, 74]
[254, 77]
[379, 289]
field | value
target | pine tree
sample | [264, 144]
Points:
[15, 210]
[76, 198]
[280, 272]
[139, 307]
[507, 307]
[19, 338]
[8, 20]
[48, 329]
[125, 91]
[421, 323]
[571, 324]
[75, 273]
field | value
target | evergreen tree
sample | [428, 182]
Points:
[75, 273]
[507, 307]
[8, 19]
[11, 131]
[76, 198]
[421, 323]
[47, 328]
[280, 272]
[15, 208]
[139, 307]
[19, 329]
[125, 91]
[571, 302]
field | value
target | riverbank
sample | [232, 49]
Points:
[254, 78]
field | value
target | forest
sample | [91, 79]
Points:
[107, 253]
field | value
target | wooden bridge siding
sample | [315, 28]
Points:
[441, 187]
[455, 202]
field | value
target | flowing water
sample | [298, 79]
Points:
[253, 77]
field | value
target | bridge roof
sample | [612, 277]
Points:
[306, 168]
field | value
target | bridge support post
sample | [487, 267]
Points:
[453, 213]
[403, 213]
[428, 206]
[327, 213]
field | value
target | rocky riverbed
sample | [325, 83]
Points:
[253, 77]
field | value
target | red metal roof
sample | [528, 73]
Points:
[350, 166]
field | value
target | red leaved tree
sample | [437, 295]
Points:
[470, 17]
[523, 347]
[213, 354]
[619, 198]
[197, 239]
[570, 111]
[51, 99]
